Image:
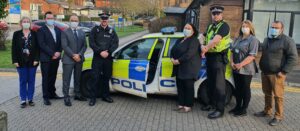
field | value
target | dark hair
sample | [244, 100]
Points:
[279, 22]
[48, 12]
[73, 14]
[196, 32]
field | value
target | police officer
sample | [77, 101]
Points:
[104, 41]
[217, 38]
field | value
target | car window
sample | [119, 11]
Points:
[60, 24]
[40, 23]
[172, 43]
[137, 50]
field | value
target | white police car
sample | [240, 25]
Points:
[143, 66]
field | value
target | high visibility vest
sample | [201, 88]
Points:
[223, 44]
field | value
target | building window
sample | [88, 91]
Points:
[283, 5]
[296, 30]
[263, 11]
[261, 22]
[246, 4]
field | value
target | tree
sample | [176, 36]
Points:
[3, 12]
[3, 33]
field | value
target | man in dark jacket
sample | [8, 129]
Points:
[50, 49]
[279, 56]
[104, 41]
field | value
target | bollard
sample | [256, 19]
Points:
[3, 121]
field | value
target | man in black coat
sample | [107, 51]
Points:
[104, 41]
[50, 50]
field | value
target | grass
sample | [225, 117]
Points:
[5, 60]
[128, 30]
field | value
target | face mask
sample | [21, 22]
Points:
[26, 25]
[187, 32]
[50, 22]
[74, 24]
[246, 30]
[273, 33]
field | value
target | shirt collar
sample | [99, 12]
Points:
[50, 27]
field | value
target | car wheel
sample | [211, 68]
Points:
[86, 83]
[229, 90]
[203, 95]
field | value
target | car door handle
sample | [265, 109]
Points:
[140, 68]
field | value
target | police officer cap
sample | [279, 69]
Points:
[216, 8]
[104, 16]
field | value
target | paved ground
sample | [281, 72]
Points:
[134, 113]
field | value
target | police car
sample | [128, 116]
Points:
[143, 66]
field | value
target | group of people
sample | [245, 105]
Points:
[279, 56]
[45, 46]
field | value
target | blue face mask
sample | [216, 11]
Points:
[273, 33]
[50, 22]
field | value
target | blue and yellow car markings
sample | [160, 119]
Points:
[137, 69]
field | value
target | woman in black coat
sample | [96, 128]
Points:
[25, 57]
[185, 56]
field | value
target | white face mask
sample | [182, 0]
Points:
[74, 24]
[26, 25]
[187, 32]
[246, 30]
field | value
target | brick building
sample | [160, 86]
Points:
[260, 12]
[36, 8]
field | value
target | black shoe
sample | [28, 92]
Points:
[108, 99]
[207, 108]
[261, 114]
[92, 102]
[234, 110]
[55, 96]
[240, 113]
[31, 103]
[67, 102]
[274, 122]
[47, 102]
[23, 105]
[80, 98]
[215, 115]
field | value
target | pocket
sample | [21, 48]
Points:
[280, 79]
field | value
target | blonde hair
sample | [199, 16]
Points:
[250, 25]
[25, 17]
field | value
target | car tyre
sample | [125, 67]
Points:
[203, 96]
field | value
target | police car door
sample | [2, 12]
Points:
[131, 66]
[167, 83]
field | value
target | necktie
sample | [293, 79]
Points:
[75, 34]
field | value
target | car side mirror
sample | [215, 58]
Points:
[115, 55]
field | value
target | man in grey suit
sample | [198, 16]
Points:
[74, 45]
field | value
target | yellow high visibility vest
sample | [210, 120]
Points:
[223, 44]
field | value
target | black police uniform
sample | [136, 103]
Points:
[216, 63]
[102, 39]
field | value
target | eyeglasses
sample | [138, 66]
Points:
[216, 13]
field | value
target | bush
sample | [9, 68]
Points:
[3, 37]
[156, 25]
